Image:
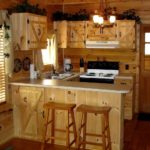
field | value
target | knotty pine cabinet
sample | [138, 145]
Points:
[73, 34]
[94, 33]
[129, 98]
[28, 111]
[90, 98]
[29, 117]
[126, 33]
[29, 31]
[60, 28]
[76, 34]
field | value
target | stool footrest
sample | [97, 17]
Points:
[72, 142]
[92, 143]
[59, 138]
[70, 125]
[48, 122]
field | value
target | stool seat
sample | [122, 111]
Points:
[93, 109]
[105, 133]
[50, 109]
[59, 106]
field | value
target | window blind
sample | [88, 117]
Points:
[2, 69]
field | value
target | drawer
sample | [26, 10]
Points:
[128, 82]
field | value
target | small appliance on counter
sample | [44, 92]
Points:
[67, 65]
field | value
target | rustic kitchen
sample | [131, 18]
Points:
[74, 74]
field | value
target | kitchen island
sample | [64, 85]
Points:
[28, 97]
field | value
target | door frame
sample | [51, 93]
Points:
[142, 71]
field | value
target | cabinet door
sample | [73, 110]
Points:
[76, 34]
[114, 101]
[61, 30]
[37, 31]
[95, 33]
[29, 31]
[57, 95]
[126, 33]
[28, 112]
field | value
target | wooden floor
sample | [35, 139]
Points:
[137, 137]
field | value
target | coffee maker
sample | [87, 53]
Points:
[67, 65]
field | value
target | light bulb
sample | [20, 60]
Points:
[100, 20]
[96, 18]
[112, 19]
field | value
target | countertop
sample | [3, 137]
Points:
[48, 83]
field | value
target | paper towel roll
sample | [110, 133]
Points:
[32, 74]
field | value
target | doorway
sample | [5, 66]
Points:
[144, 92]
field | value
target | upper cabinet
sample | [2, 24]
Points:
[95, 33]
[74, 34]
[126, 33]
[29, 31]
[61, 29]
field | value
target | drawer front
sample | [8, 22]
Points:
[128, 82]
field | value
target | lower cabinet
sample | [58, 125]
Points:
[93, 126]
[129, 98]
[28, 111]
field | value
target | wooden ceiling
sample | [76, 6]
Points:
[121, 4]
[142, 7]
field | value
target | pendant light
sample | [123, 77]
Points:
[99, 16]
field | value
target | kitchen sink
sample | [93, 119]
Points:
[62, 76]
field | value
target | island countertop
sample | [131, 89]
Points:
[73, 85]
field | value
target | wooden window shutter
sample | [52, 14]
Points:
[2, 68]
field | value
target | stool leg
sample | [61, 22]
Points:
[103, 133]
[84, 130]
[79, 132]
[108, 131]
[67, 132]
[74, 127]
[53, 126]
[45, 129]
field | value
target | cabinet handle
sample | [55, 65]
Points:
[123, 83]
[0, 128]
[25, 99]
[120, 34]
[43, 114]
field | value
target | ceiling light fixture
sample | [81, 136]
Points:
[104, 13]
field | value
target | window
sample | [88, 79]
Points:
[49, 55]
[46, 54]
[147, 43]
[2, 69]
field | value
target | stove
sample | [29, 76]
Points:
[101, 72]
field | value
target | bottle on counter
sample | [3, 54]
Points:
[81, 65]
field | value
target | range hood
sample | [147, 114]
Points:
[102, 44]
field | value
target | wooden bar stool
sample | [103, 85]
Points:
[52, 107]
[105, 135]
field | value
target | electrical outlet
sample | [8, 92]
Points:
[127, 67]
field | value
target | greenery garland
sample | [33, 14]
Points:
[26, 7]
[79, 16]
[83, 15]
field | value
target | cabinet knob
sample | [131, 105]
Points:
[43, 114]
[50, 99]
[25, 99]
[69, 92]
